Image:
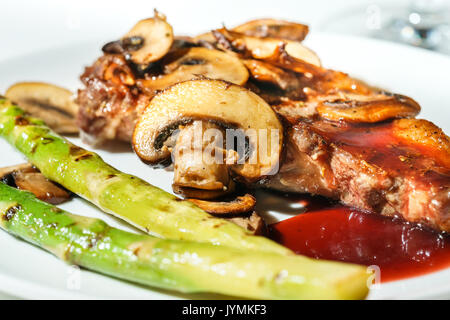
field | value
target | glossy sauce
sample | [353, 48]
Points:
[336, 232]
[379, 145]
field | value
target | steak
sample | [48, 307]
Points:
[396, 168]
[109, 102]
[344, 139]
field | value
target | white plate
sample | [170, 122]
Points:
[26, 271]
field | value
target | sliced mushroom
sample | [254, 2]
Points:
[8, 170]
[26, 177]
[207, 37]
[273, 28]
[265, 72]
[197, 63]
[283, 59]
[182, 42]
[200, 165]
[48, 102]
[266, 48]
[6, 173]
[225, 104]
[252, 222]
[149, 40]
[367, 108]
[239, 205]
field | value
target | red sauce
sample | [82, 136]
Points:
[336, 232]
[379, 145]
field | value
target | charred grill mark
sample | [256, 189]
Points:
[56, 210]
[75, 150]
[46, 140]
[79, 153]
[21, 121]
[11, 212]
[93, 241]
[83, 157]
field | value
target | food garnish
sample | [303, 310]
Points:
[26, 177]
[49, 102]
[263, 48]
[273, 28]
[141, 204]
[238, 209]
[238, 205]
[197, 63]
[184, 266]
[148, 41]
[227, 106]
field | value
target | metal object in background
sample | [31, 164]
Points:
[422, 23]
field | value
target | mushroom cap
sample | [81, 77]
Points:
[224, 103]
[274, 28]
[49, 102]
[366, 108]
[153, 37]
[265, 48]
[199, 62]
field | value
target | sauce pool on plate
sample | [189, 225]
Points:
[335, 232]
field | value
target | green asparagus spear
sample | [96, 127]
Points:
[185, 266]
[127, 197]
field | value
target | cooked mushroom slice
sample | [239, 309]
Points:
[252, 222]
[149, 40]
[239, 205]
[265, 48]
[48, 102]
[272, 28]
[367, 108]
[207, 36]
[200, 165]
[256, 126]
[181, 42]
[8, 170]
[26, 177]
[266, 72]
[197, 63]
[281, 58]
[6, 173]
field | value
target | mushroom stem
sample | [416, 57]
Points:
[200, 161]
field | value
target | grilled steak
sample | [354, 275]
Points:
[344, 139]
[393, 168]
[109, 102]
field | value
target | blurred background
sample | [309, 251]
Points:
[27, 25]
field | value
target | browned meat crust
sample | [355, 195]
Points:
[109, 102]
[371, 167]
